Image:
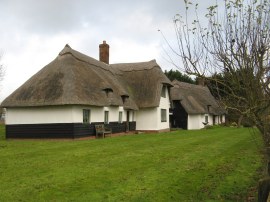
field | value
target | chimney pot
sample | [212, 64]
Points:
[104, 52]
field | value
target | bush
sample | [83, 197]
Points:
[214, 126]
[247, 124]
[234, 124]
[208, 127]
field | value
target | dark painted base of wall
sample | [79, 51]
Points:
[62, 130]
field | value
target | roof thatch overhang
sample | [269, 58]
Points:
[143, 81]
[195, 99]
[72, 78]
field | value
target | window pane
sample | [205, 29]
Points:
[86, 115]
[120, 117]
[206, 119]
[106, 117]
[163, 115]
[163, 92]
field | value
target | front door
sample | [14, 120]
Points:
[127, 122]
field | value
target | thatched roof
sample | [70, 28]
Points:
[143, 81]
[195, 99]
[73, 78]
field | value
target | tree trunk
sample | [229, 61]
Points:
[263, 190]
[240, 120]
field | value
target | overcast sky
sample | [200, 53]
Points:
[33, 32]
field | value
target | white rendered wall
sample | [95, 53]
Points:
[37, 115]
[61, 114]
[150, 118]
[223, 119]
[220, 120]
[195, 121]
[210, 119]
[97, 113]
[164, 104]
[147, 119]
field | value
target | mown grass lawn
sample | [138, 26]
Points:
[207, 165]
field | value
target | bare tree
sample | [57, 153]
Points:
[233, 51]
[235, 43]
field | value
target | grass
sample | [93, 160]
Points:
[219, 164]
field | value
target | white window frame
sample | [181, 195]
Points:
[86, 116]
[163, 115]
[163, 91]
[120, 117]
[206, 118]
[106, 117]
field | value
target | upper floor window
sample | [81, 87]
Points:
[86, 115]
[163, 91]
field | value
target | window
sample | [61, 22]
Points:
[163, 115]
[163, 92]
[86, 116]
[124, 98]
[120, 117]
[108, 91]
[206, 119]
[106, 117]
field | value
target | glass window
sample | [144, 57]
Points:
[206, 119]
[163, 92]
[86, 116]
[163, 115]
[106, 117]
[120, 117]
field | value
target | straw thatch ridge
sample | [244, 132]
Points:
[195, 99]
[73, 78]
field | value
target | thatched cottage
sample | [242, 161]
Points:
[194, 107]
[74, 92]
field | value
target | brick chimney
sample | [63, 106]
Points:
[104, 52]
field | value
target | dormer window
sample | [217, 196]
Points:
[124, 98]
[163, 91]
[108, 91]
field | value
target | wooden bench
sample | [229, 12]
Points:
[102, 130]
